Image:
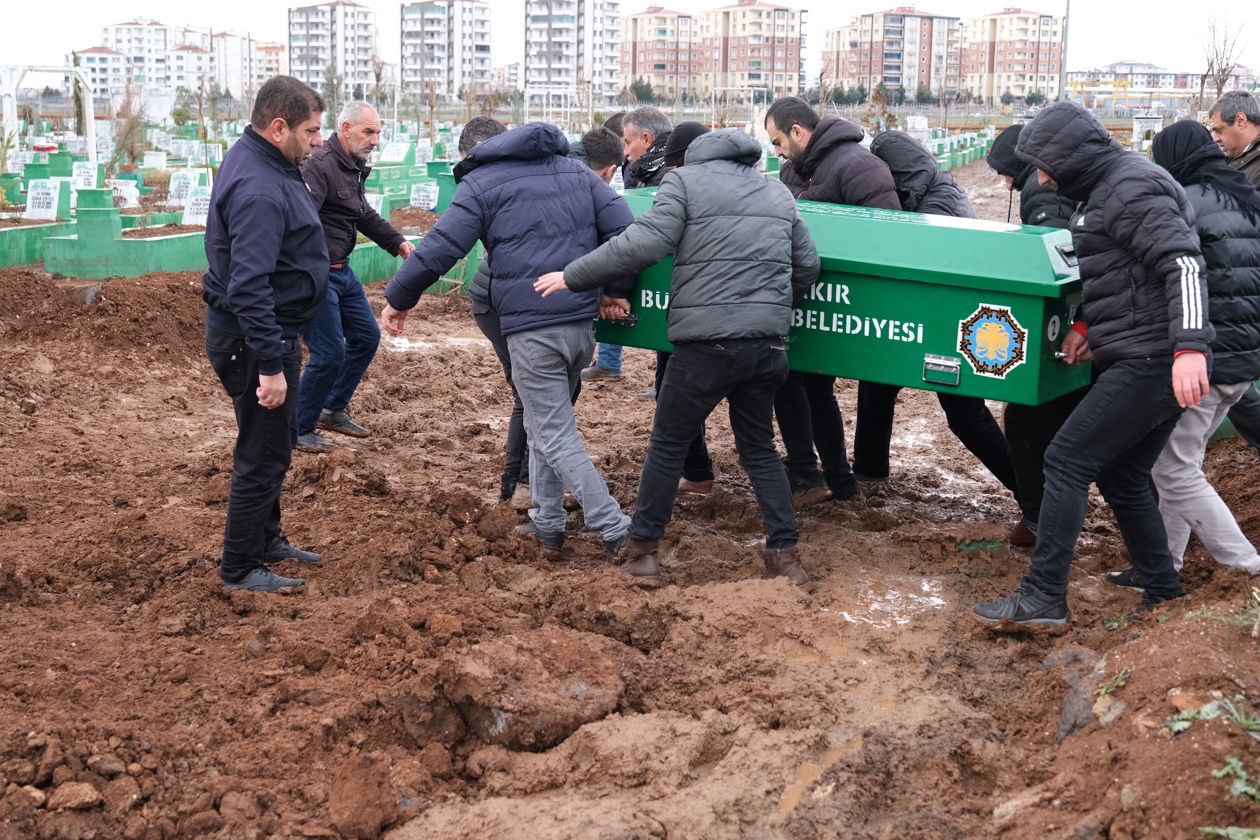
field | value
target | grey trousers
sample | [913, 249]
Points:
[546, 366]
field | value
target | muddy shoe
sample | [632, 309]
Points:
[507, 487]
[783, 562]
[1021, 535]
[845, 489]
[638, 560]
[599, 372]
[311, 442]
[521, 498]
[281, 549]
[810, 490]
[1128, 578]
[1027, 608]
[687, 487]
[340, 422]
[264, 580]
[551, 542]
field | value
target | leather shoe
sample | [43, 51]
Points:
[599, 372]
[551, 542]
[1021, 536]
[312, 442]
[340, 422]
[783, 562]
[638, 560]
[281, 549]
[695, 488]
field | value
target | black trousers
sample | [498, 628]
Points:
[697, 466]
[264, 448]
[969, 419]
[746, 373]
[809, 418]
[1029, 430]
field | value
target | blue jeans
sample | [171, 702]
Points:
[547, 366]
[746, 373]
[341, 339]
[1113, 437]
[609, 357]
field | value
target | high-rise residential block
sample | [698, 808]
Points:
[754, 45]
[902, 48]
[337, 37]
[446, 48]
[1014, 51]
[665, 49]
[572, 52]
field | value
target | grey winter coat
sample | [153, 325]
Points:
[742, 254]
[1143, 288]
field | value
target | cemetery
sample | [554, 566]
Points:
[442, 677]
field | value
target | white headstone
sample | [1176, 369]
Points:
[84, 176]
[376, 201]
[424, 152]
[18, 161]
[41, 199]
[181, 183]
[214, 153]
[126, 190]
[424, 196]
[154, 160]
[197, 210]
[393, 153]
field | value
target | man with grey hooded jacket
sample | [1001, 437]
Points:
[742, 255]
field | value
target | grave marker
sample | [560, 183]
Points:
[424, 196]
[42, 199]
[181, 184]
[395, 153]
[84, 176]
[126, 190]
[154, 160]
[197, 210]
[376, 201]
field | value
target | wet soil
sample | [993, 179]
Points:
[413, 217]
[138, 700]
[161, 230]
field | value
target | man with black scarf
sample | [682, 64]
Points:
[645, 131]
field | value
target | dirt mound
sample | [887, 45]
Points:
[138, 700]
[161, 230]
[413, 217]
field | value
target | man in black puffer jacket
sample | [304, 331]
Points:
[923, 188]
[823, 160]
[1030, 428]
[1227, 215]
[742, 256]
[1146, 310]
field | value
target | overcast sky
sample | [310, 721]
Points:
[1100, 32]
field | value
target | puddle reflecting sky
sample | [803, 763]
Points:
[893, 600]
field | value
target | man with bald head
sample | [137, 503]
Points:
[343, 338]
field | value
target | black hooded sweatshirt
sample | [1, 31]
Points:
[1143, 289]
[1038, 205]
[835, 168]
[921, 186]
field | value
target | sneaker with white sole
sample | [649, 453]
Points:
[265, 580]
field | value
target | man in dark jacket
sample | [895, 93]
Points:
[343, 337]
[742, 255]
[1029, 429]
[267, 278]
[823, 160]
[535, 210]
[1146, 311]
[923, 188]
[1227, 216]
[645, 131]
[1235, 124]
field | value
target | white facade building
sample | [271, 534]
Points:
[572, 52]
[340, 33]
[446, 44]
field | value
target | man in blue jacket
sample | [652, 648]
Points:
[536, 210]
[267, 278]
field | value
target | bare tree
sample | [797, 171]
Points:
[378, 72]
[1221, 51]
[826, 81]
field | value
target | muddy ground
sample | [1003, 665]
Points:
[137, 700]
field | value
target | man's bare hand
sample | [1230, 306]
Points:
[549, 283]
[392, 320]
[406, 250]
[272, 390]
[1076, 348]
[1190, 379]
[611, 308]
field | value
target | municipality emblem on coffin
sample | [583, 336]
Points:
[993, 341]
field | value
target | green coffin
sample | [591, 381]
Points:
[954, 305]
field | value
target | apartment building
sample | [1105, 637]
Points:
[905, 49]
[572, 52]
[271, 59]
[1014, 51]
[754, 44]
[507, 77]
[664, 48]
[446, 45]
[106, 69]
[340, 33]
